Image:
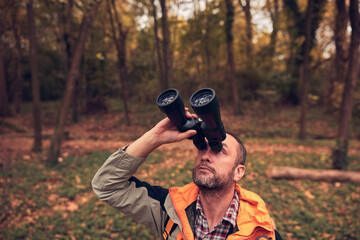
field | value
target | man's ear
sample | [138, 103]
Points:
[239, 172]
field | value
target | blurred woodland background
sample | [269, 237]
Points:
[78, 78]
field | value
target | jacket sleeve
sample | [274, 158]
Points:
[114, 183]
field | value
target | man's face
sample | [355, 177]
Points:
[216, 171]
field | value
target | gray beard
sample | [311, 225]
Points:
[214, 183]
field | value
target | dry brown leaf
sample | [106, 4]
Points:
[72, 206]
[309, 195]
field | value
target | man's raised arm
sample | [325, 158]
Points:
[114, 182]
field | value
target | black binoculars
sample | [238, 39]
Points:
[206, 106]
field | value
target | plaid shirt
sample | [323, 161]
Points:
[220, 230]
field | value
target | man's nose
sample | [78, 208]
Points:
[206, 156]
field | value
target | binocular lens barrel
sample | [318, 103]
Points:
[206, 106]
[170, 103]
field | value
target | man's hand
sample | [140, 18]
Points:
[164, 132]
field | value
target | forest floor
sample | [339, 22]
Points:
[265, 132]
[38, 198]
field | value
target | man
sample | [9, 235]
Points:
[212, 207]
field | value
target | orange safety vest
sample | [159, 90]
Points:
[253, 220]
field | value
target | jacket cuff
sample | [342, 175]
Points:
[127, 161]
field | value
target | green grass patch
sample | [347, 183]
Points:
[27, 199]
[302, 209]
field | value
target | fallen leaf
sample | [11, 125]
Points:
[309, 195]
[72, 206]
[78, 179]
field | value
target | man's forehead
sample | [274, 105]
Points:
[230, 143]
[229, 140]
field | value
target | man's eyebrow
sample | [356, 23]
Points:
[225, 145]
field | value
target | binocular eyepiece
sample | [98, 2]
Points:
[206, 106]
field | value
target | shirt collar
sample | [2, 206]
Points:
[231, 212]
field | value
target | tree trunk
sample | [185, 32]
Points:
[305, 70]
[313, 174]
[55, 146]
[340, 40]
[122, 66]
[340, 160]
[166, 44]
[82, 83]
[34, 79]
[274, 14]
[207, 46]
[17, 87]
[4, 101]
[230, 58]
[297, 32]
[68, 33]
[75, 103]
[337, 70]
[249, 47]
[157, 47]
[329, 84]
[69, 46]
[119, 36]
[59, 25]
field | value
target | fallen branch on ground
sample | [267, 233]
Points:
[313, 174]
